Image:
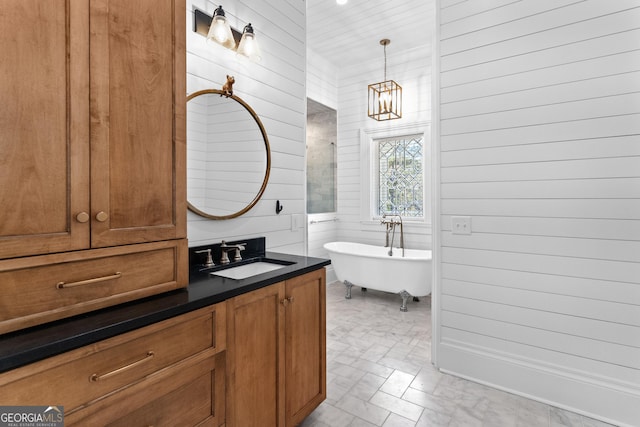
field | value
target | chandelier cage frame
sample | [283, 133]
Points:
[385, 97]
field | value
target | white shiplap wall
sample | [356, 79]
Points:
[322, 80]
[322, 87]
[275, 89]
[412, 70]
[540, 145]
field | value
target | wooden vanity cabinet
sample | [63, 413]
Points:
[276, 353]
[92, 148]
[166, 374]
[305, 345]
[258, 359]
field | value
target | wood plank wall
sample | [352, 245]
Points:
[539, 144]
[322, 87]
[275, 89]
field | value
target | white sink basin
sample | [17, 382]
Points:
[247, 270]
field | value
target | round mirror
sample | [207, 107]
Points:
[228, 155]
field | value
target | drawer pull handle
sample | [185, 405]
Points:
[64, 285]
[95, 377]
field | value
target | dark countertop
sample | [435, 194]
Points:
[30, 345]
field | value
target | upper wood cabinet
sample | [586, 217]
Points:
[137, 104]
[92, 147]
[92, 155]
[44, 122]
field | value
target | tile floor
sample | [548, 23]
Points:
[379, 374]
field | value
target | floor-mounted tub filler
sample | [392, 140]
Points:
[372, 267]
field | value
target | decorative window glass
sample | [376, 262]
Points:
[400, 176]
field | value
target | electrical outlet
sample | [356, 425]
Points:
[461, 224]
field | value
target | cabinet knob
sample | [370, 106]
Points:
[287, 301]
[82, 217]
[102, 216]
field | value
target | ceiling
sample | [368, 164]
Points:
[350, 34]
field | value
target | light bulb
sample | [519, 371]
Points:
[385, 102]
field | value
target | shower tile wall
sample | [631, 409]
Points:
[321, 160]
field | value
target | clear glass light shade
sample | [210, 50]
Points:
[248, 46]
[220, 32]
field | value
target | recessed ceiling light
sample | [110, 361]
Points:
[341, 2]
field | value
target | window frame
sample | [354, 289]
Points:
[369, 170]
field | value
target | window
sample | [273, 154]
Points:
[395, 175]
[400, 173]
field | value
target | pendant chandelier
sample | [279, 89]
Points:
[385, 98]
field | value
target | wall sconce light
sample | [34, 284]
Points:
[220, 30]
[385, 98]
[248, 46]
[217, 29]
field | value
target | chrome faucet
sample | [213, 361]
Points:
[391, 229]
[224, 259]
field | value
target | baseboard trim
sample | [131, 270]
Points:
[331, 274]
[612, 405]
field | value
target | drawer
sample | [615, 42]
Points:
[41, 289]
[77, 378]
[189, 394]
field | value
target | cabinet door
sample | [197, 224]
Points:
[44, 137]
[305, 345]
[255, 358]
[137, 105]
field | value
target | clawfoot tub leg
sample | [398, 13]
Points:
[405, 296]
[348, 285]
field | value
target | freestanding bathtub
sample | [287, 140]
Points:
[371, 266]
